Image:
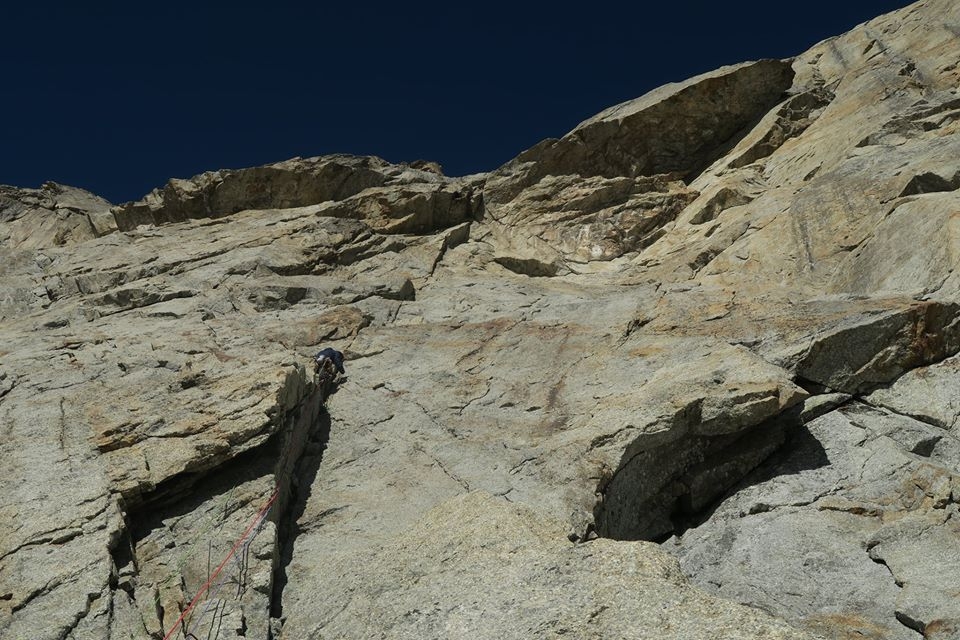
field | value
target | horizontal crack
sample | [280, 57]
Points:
[885, 407]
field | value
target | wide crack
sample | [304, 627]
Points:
[303, 473]
[184, 529]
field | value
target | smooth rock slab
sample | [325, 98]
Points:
[481, 567]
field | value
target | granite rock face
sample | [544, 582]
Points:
[718, 322]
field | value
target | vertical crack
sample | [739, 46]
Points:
[160, 556]
[914, 625]
[298, 479]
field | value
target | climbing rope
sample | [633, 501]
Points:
[241, 542]
[322, 380]
[210, 525]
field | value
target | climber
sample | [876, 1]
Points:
[328, 360]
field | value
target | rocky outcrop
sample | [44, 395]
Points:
[608, 187]
[301, 182]
[719, 322]
[647, 136]
[54, 215]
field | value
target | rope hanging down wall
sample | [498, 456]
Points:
[253, 528]
[324, 383]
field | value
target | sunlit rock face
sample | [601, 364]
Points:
[687, 371]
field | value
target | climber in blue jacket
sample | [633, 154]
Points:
[328, 359]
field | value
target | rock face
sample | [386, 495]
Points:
[688, 371]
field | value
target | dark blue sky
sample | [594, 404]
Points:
[116, 98]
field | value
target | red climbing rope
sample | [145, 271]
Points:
[213, 576]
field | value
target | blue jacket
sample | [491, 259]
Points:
[334, 355]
